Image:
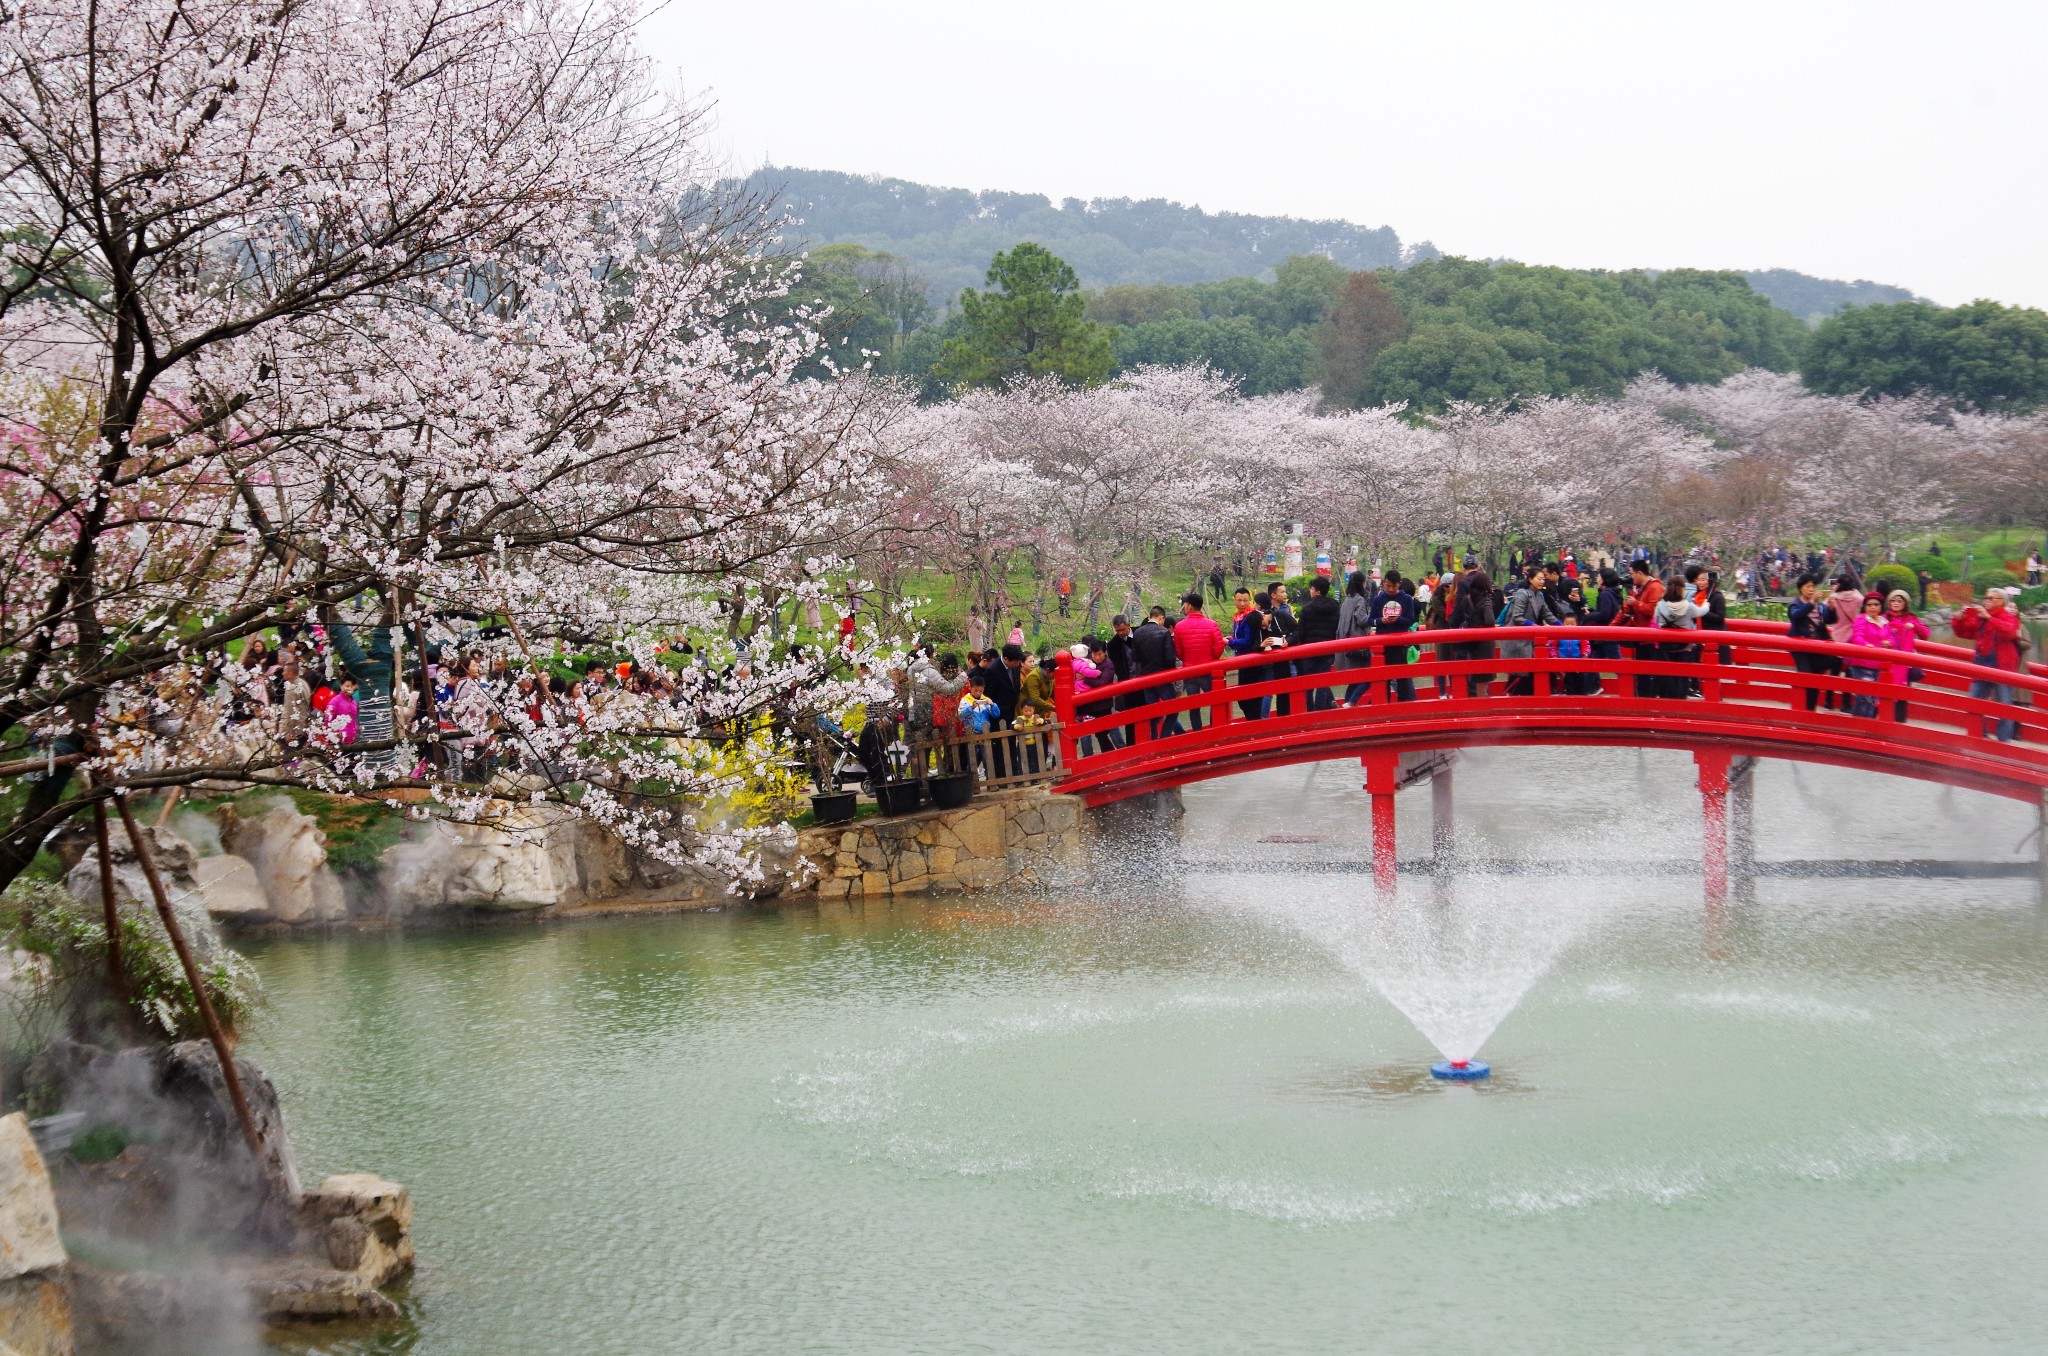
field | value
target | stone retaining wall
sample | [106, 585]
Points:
[540, 862]
[1023, 837]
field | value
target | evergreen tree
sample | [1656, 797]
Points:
[1031, 323]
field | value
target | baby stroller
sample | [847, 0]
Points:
[838, 757]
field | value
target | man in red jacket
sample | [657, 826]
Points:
[1641, 610]
[1197, 640]
[1995, 627]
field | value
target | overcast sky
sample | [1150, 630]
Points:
[1902, 143]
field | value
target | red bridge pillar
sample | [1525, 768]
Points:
[1713, 774]
[1382, 776]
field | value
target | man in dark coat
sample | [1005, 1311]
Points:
[1283, 625]
[1152, 653]
[1317, 623]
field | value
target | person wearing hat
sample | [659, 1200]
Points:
[1904, 631]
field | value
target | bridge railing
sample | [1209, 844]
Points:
[1748, 677]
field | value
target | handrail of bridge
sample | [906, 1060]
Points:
[1756, 697]
[1762, 627]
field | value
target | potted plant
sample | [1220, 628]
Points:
[950, 790]
[899, 797]
[834, 807]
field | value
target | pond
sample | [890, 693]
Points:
[1166, 1114]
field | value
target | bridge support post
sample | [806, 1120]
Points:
[1742, 826]
[1443, 819]
[1713, 778]
[1382, 778]
[2041, 844]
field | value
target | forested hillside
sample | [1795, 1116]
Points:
[947, 236]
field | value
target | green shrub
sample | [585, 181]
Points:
[100, 1144]
[1992, 579]
[2036, 596]
[1938, 568]
[66, 941]
[1885, 578]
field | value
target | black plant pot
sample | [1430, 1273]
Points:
[835, 808]
[899, 798]
[952, 791]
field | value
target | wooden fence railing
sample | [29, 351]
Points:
[1002, 758]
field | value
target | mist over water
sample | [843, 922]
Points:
[1174, 1111]
[1455, 955]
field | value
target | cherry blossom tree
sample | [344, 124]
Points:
[398, 308]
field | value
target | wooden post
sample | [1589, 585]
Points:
[1713, 781]
[1382, 774]
[117, 968]
[206, 1013]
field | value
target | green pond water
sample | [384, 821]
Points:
[1165, 1115]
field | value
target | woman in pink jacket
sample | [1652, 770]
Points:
[1868, 628]
[1906, 632]
[1090, 663]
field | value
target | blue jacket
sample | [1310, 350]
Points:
[1402, 623]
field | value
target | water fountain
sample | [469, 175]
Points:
[1454, 954]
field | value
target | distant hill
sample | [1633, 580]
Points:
[948, 235]
[1815, 299]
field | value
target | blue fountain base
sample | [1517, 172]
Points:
[1469, 1073]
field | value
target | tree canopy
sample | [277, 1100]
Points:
[1983, 356]
[1031, 323]
[1485, 331]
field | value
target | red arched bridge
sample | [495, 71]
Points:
[1745, 696]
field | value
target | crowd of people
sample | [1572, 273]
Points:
[318, 688]
[1677, 609]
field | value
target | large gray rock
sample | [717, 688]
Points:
[289, 854]
[362, 1224]
[35, 1311]
[527, 860]
[174, 857]
[28, 1208]
[231, 888]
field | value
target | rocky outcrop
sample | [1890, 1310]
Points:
[362, 1224]
[175, 861]
[35, 1309]
[526, 861]
[289, 855]
[231, 888]
[213, 1243]
[1025, 837]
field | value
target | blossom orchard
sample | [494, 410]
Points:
[1105, 484]
[401, 312]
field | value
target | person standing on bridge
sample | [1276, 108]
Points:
[1530, 606]
[1676, 611]
[1810, 619]
[1318, 623]
[1641, 610]
[1196, 640]
[1476, 609]
[1354, 619]
[1871, 632]
[1153, 654]
[1281, 622]
[1393, 614]
[1995, 629]
[1906, 631]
